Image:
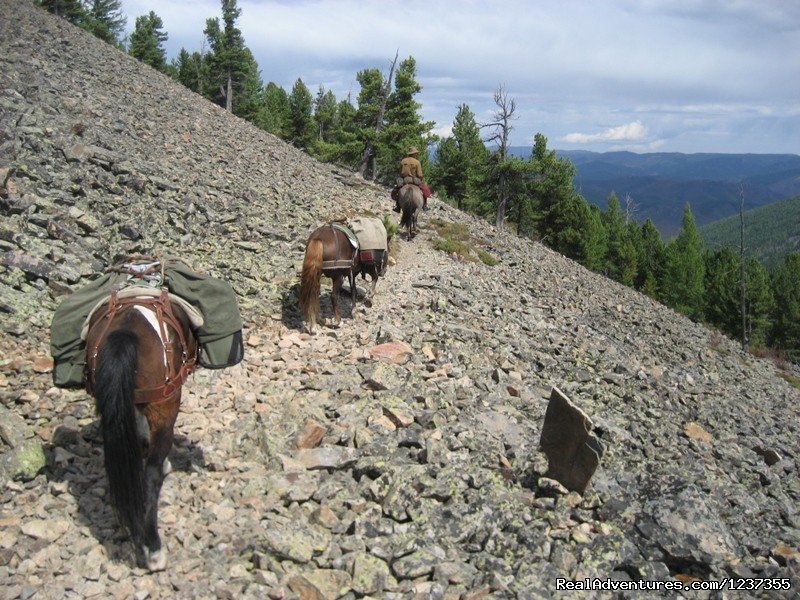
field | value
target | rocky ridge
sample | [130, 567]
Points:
[396, 456]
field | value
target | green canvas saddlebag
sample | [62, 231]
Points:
[219, 337]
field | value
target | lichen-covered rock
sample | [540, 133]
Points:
[22, 456]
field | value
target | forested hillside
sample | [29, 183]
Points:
[771, 232]
[660, 184]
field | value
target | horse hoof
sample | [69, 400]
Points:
[166, 467]
[157, 561]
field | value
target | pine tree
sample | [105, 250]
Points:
[722, 302]
[403, 125]
[476, 156]
[325, 115]
[147, 41]
[104, 18]
[722, 291]
[596, 243]
[519, 175]
[248, 103]
[621, 258]
[650, 260]
[461, 163]
[301, 120]
[188, 69]
[551, 185]
[71, 10]
[345, 146]
[276, 109]
[759, 302]
[576, 231]
[231, 77]
[496, 173]
[449, 172]
[682, 286]
[785, 334]
[361, 154]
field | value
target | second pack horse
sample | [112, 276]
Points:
[338, 250]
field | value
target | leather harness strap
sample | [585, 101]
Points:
[338, 262]
[162, 307]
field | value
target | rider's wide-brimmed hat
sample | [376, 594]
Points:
[413, 150]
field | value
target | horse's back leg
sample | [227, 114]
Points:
[373, 282]
[353, 294]
[335, 290]
[161, 417]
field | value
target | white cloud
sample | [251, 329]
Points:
[632, 132]
[443, 131]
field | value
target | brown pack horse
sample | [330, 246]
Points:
[330, 253]
[411, 201]
[139, 353]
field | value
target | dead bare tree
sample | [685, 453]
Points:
[631, 208]
[368, 158]
[501, 123]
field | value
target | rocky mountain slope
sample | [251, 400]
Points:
[316, 468]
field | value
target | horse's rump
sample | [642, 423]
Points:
[163, 330]
[331, 250]
[411, 197]
[411, 201]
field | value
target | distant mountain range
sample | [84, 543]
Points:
[771, 232]
[660, 184]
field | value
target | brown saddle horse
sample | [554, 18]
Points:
[139, 353]
[329, 253]
[411, 201]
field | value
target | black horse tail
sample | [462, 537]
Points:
[410, 203]
[114, 391]
[407, 207]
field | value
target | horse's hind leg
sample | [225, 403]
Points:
[353, 293]
[373, 282]
[335, 290]
[161, 438]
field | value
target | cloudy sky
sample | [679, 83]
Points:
[639, 75]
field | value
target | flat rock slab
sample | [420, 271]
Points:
[391, 351]
[572, 451]
[324, 457]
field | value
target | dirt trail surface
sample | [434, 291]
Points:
[393, 457]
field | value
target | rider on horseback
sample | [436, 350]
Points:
[411, 172]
